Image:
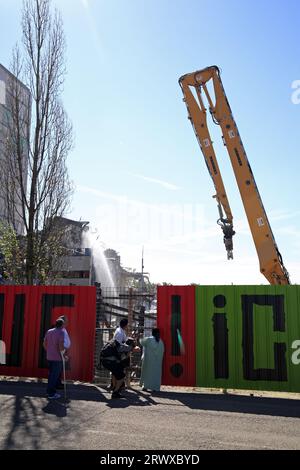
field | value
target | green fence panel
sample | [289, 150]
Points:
[248, 337]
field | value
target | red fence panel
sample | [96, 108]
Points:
[176, 321]
[27, 312]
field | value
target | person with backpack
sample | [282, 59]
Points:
[113, 357]
[120, 335]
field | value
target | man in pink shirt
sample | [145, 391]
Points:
[54, 345]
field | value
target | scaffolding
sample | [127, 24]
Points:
[113, 304]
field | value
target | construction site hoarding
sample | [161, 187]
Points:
[245, 337]
[27, 312]
[176, 321]
[248, 337]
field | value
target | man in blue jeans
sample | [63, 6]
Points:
[54, 345]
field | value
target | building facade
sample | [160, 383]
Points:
[75, 268]
[124, 277]
[15, 103]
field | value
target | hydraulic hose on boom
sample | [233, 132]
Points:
[195, 92]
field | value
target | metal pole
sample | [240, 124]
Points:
[130, 310]
[130, 324]
[64, 374]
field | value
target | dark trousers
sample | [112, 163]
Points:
[55, 369]
[68, 367]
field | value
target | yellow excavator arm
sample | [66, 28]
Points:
[195, 91]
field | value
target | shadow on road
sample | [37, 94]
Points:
[56, 408]
[131, 398]
[24, 406]
[38, 390]
[235, 403]
[193, 400]
[79, 392]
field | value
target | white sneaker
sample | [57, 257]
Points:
[54, 397]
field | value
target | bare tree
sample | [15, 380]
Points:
[35, 177]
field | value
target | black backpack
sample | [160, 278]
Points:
[110, 349]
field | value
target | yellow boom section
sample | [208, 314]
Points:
[194, 88]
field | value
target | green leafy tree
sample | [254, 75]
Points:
[12, 255]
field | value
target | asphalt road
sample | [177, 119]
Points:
[170, 420]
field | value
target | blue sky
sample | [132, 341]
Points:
[139, 174]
